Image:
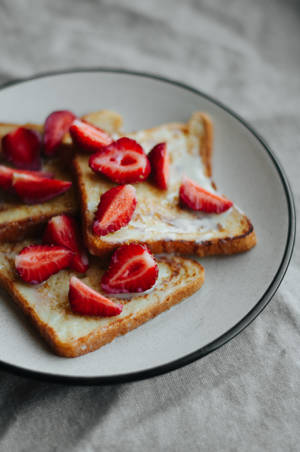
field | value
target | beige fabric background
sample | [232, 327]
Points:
[245, 396]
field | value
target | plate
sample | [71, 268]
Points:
[236, 288]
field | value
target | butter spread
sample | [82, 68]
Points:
[158, 214]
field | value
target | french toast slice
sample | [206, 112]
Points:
[18, 220]
[159, 220]
[73, 335]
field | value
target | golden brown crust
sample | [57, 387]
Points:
[228, 245]
[100, 337]
[13, 231]
[83, 201]
[207, 144]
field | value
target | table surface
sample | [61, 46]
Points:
[245, 396]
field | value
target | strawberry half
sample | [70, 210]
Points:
[86, 301]
[56, 126]
[123, 161]
[87, 137]
[159, 161]
[6, 175]
[33, 189]
[197, 198]
[36, 263]
[62, 230]
[132, 269]
[22, 148]
[115, 209]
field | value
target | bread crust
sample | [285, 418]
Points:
[13, 231]
[206, 147]
[225, 246]
[100, 337]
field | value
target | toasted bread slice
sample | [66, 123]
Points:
[73, 335]
[18, 220]
[158, 220]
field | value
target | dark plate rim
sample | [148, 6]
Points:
[246, 320]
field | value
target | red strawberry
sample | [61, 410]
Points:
[86, 301]
[115, 209]
[88, 137]
[22, 148]
[132, 269]
[80, 262]
[33, 189]
[6, 175]
[57, 125]
[62, 230]
[159, 160]
[36, 263]
[197, 198]
[123, 161]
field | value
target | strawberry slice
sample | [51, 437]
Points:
[132, 269]
[62, 230]
[86, 301]
[33, 189]
[123, 161]
[80, 262]
[159, 161]
[35, 263]
[57, 124]
[197, 198]
[87, 137]
[22, 148]
[6, 175]
[115, 209]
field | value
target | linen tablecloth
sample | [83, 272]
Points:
[246, 395]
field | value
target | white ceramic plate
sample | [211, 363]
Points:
[236, 288]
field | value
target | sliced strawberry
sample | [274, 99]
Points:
[87, 137]
[123, 161]
[6, 175]
[86, 301]
[62, 230]
[159, 161]
[197, 198]
[115, 209]
[132, 269]
[36, 263]
[80, 262]
[33, 189]
[22, 148]
[57, 125]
